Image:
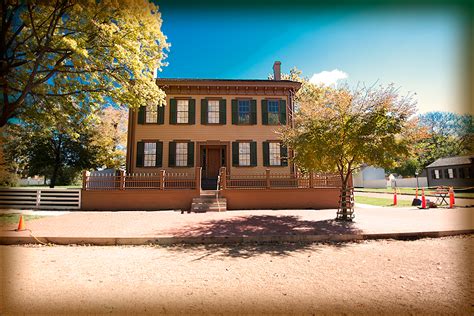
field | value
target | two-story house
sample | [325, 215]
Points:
[211, 123]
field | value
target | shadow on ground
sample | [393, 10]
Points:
[260, 225]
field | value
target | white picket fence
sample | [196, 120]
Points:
[63, 199]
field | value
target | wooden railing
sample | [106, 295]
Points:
[272, 180]
[141, 181]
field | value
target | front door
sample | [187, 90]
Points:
[213, 158]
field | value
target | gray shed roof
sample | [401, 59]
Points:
[452, 161]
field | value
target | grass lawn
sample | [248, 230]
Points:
[7, 219]
[412, 191]
[380, 201]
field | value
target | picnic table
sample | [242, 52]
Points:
[441, 195]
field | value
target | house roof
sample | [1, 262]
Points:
[227, 82]
[452, 161]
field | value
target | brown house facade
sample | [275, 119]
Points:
[212, 124]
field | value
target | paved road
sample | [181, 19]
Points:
[458, 201]
[430, 276]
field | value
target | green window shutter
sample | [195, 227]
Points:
[204, 111]
[253, 112]
[172, 154]
[161, 114]
[266, 153]
[159, 154]
[222, 111]
[192, 112]
[283, 112]
[141, 115]
[235, 153]
[140, 154]
[235, 112]
[283, 155]
[253, 154]
[191, 154]
[264, 112]
[173, 111]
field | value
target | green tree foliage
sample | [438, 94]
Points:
[338, 129]
[89, 49]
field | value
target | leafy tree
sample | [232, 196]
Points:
[92, 50]
[338, 129]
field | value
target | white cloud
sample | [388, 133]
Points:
[328, 77]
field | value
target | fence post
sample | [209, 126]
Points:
[162, 179]
[198, 178]
[267, 175]
[38, 198]
[223, 178]
[85, 175]
[122, 179]
[311, 180]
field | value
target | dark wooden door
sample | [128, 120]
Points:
[213, 162]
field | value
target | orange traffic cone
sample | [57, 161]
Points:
[451, 197]
[423, 200]
[21, 224]
[395, 197]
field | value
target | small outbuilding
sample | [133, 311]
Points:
[451, 171]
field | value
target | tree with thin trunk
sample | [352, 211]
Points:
[338, 129]
[93, 50]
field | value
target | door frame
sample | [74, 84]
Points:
[214, 143]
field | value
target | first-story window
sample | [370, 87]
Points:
[275, 157]
[149, 154]
[151, 114]
[450, 173]
[436, 174]
[213, 111]
[182, 111]
[273, 112]
[244, 154]
[181, 154]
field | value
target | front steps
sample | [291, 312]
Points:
[208, 202]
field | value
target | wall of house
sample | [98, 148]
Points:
[223, 134]
[137, 200]
[459, 180]
[317, 198]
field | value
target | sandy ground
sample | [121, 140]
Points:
[426, 276]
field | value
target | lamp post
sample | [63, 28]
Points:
[416, 175]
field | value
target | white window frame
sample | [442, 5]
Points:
[181, 154]
[149, 154]
[450, 173]
[244, 154]
[274, 153]
[182, 111]
[151, 113]
[436, 174]
[213, 112]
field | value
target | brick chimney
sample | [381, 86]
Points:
[277, 70]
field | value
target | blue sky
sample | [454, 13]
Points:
[420, 50]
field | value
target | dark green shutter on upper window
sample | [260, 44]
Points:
[192, 111]
[141, 115]
[159, 154]
[264, 112]
[283, 112]
[172, 154]
[190, 154]
[235, 153]
[266, 153]
[253, 154]
[235, 112]
[204, 108]
[140, 154]
[283, 155]
[253, 112]
[222, 111]
[173, 111]
[161, 114]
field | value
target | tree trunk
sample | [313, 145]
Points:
[345, 194]
[57, 165]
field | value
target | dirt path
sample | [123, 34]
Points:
[428, 276]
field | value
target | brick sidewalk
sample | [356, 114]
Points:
[138, 224]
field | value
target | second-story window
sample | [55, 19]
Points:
[273, 112]
[213, 112]
[244, 111]
[151, 115]
[181, 154]
[182, 112]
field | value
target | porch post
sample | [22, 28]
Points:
[311, 178]
[198, 178]
[267, 175]
[162, 179]
[223, 178]
[122, 179]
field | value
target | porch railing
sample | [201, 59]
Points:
[273, 180]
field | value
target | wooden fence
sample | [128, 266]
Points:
[271, 180]
[40, 198]
[140, 181]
